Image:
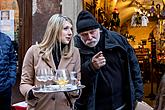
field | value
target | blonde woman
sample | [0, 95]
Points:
[56, 51]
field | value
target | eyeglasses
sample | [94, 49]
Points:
[86, 33]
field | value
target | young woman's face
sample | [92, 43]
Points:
[67, 32]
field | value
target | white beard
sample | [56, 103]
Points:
[92, 43]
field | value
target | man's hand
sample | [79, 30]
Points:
[98, 60]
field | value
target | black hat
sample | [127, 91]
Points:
[86, 21]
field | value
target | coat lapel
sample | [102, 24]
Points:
[49, 62]
[64, 62]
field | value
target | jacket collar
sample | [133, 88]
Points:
[105, 36]
[110, 41]
[50, 62]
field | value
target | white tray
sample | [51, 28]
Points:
[57, 88]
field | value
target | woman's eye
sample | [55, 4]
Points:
[65, 28]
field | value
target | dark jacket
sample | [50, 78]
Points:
[7, 63]
[112, 44]
[160, 100]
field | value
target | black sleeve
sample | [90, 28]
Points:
[31, 95]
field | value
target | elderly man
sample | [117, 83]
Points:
[109, 67]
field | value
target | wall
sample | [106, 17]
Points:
[71, 8]
[42, 11]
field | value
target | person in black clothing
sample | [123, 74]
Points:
[160, 99]
[109, 67]
[115, 22]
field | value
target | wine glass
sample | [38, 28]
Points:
[41, 76]
[73, 77]
[50, 77]
[50, 74]
[61, 78]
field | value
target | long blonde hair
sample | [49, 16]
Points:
[52, 34]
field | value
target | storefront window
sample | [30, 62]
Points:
[42, 10]
[9, 8]
[9, 20]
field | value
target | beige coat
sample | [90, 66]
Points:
[33, 61]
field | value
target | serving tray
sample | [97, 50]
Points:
[57, 88]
